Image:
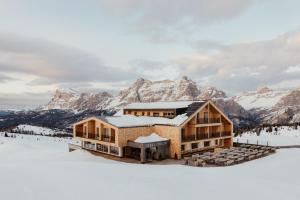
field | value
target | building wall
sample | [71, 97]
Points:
[148, 112]
[209, 129]
[125, 134]
[172, 133]
[91, 126]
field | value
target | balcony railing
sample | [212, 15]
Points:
[91, 135]
[226, 133]
[204, 136]
[208, 120]
[215, 135]
[201, 136]
[187, 138]
[106, 138]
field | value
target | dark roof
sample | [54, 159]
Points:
[192, 108]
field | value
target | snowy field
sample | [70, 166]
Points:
[284, 136]
[37, 130]
[36, 167]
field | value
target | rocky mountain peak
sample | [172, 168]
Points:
[263, 90]
[211, 93]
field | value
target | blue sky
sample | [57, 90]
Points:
[106, 44]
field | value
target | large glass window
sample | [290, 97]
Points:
[194, 145]
[97, 133]
[114, 150]
[102, 148]
[205, 117]
[182, 147]
[207, 144]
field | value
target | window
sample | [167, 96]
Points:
[89, 145]
[155, 114]
[206, 144]
[114, 150]
[143, 113]
[205, 117]
[216, 142]
[85, 131]
[105, 135]
[97, 133]
[148, 113]
[135, 113]
[102, 148]
[194, 145]
[129, 112]
[112, 135]
[165, 114]
[182, 147]
[182, 131]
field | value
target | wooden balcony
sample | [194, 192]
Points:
[208, 120]
[188, 138]
[91, 136]
[201, 136]
[215, 135]
[106, 138]
[204, 136]
[226, 133]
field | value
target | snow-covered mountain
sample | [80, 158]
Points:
[272, 106]
[72, 100]
[262, 98]
[143, 90]
[263, 105]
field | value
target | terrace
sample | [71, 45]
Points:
[232, 156]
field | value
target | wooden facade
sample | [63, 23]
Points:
[206, 129]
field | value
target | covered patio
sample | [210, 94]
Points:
[148, 148]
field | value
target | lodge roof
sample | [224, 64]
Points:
[125, 121]
[162, 105]
[185, 110]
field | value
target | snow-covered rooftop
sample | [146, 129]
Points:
[132, 121]
[150, 138]
[160, 105]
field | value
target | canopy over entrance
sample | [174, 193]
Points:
[146, 148]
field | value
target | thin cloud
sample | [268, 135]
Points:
[53, 63]
[164, 21]
[249, 65]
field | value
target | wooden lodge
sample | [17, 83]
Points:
[157, 130]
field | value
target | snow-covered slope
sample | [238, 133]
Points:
[36, 130]
[263, 98]
[32, 169]
[280, 136]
